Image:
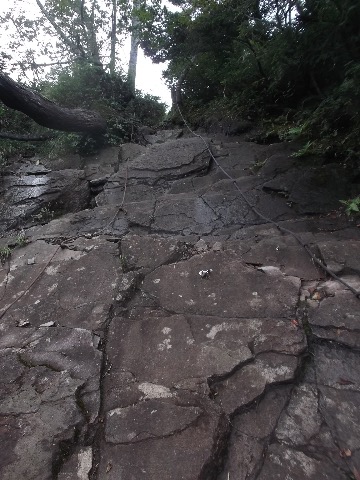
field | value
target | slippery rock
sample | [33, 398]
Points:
[33, 196]
[173, 333]
[148, 174]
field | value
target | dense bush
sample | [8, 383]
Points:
[289, 63]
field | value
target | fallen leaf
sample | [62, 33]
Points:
[294, 323]
[108, 467]
[345, 452]
[316, 296]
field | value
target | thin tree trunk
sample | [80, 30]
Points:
[134, 44]
[46, 113]
[113, 39]
[73, 47]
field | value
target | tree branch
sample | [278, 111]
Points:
[73, 47]
[47, 113]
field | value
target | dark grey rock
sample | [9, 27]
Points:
[45, 377]
[162, 334]
[281, 462]
[29, 198]
[232, 289]
[149, 173]
[192, 451]
[250, 434]
[341, 256]
[337, 317]
[57, 287]
[250, 382]
[108, 220]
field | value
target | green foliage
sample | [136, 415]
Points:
[21, 240]
[306, 150]
[14, 122]
[352, 206]
[76, 86]
[45, 215]
[83, 85]
[147, 109]
[5, 253]
[265, 59]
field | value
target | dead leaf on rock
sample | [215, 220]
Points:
[295, 323]
[108, 467]
[316, 296]
[345, 453]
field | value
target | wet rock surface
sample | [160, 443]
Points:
[170, 333]
[35, 194]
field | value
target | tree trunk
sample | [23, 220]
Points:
[134, 44]
[113, 38]
[47, 113]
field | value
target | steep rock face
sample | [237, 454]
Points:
[170, 333]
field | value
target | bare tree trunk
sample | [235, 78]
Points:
[47, 113]
[176, 89]
[113, 39]
[87, 47]
[76, 49]
[134, 44]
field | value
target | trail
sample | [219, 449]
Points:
[163, 330]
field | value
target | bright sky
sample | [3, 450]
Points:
[149, 75]
[149, 79]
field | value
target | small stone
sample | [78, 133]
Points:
[313, 303]
[23, 323]
[201, 246]
[305, 293]
[31, 261]
[48, 324]
[217, 247]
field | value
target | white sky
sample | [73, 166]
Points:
[149, 75]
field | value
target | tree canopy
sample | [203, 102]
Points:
[299, 59]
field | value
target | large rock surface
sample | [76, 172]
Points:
[170, 332]
[34, 194]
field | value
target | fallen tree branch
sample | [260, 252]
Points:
[46, 112]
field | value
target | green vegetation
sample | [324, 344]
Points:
[5, 253]
[352, 206]
[45, 215]
[81, 70]
[84, 86]
[20, 239]
[293, 65]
